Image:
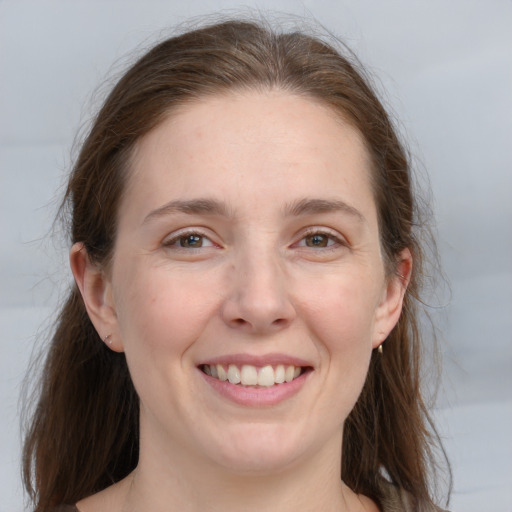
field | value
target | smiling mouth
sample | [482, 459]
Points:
[248, 375]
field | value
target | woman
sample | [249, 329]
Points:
[241, 215]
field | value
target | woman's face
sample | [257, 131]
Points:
[248, 248]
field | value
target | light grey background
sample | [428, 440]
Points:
[447, 69]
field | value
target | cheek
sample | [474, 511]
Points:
[160, 312]
[341, 313]
[160, 317]
[341, 319]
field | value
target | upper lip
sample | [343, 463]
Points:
[272, 359]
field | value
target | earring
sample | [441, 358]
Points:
[108, 339]
[380, 349]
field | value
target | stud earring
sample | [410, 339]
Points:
[108, 339]
[380, 349]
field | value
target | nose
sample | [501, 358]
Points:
[258, 301]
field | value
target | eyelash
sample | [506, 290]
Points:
[333, 241]
[331, 237]
[172, 242]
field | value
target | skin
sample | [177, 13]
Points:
[264, 278]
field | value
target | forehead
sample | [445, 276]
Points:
[251, 143]
[248, 116]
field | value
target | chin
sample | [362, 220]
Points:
[259, 449]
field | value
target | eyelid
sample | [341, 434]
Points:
[333, 235]
[173, 238]
[339, 239]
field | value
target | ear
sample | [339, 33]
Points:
[390, 307]
[96, 290]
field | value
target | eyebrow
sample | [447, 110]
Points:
[308, 206]
[191, 207]
[204, 206]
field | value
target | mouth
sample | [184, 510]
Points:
[253, 376]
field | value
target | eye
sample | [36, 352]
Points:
[190, 240]
[320, 240]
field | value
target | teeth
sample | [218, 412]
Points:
[221, 372]
[233, 374]
[288, 376]
[266, 376]
[250, 375]
[280, 374]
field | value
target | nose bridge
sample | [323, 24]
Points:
[259, 298]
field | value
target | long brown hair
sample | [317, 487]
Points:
[83, 435]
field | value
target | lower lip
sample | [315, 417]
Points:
[256, 397]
